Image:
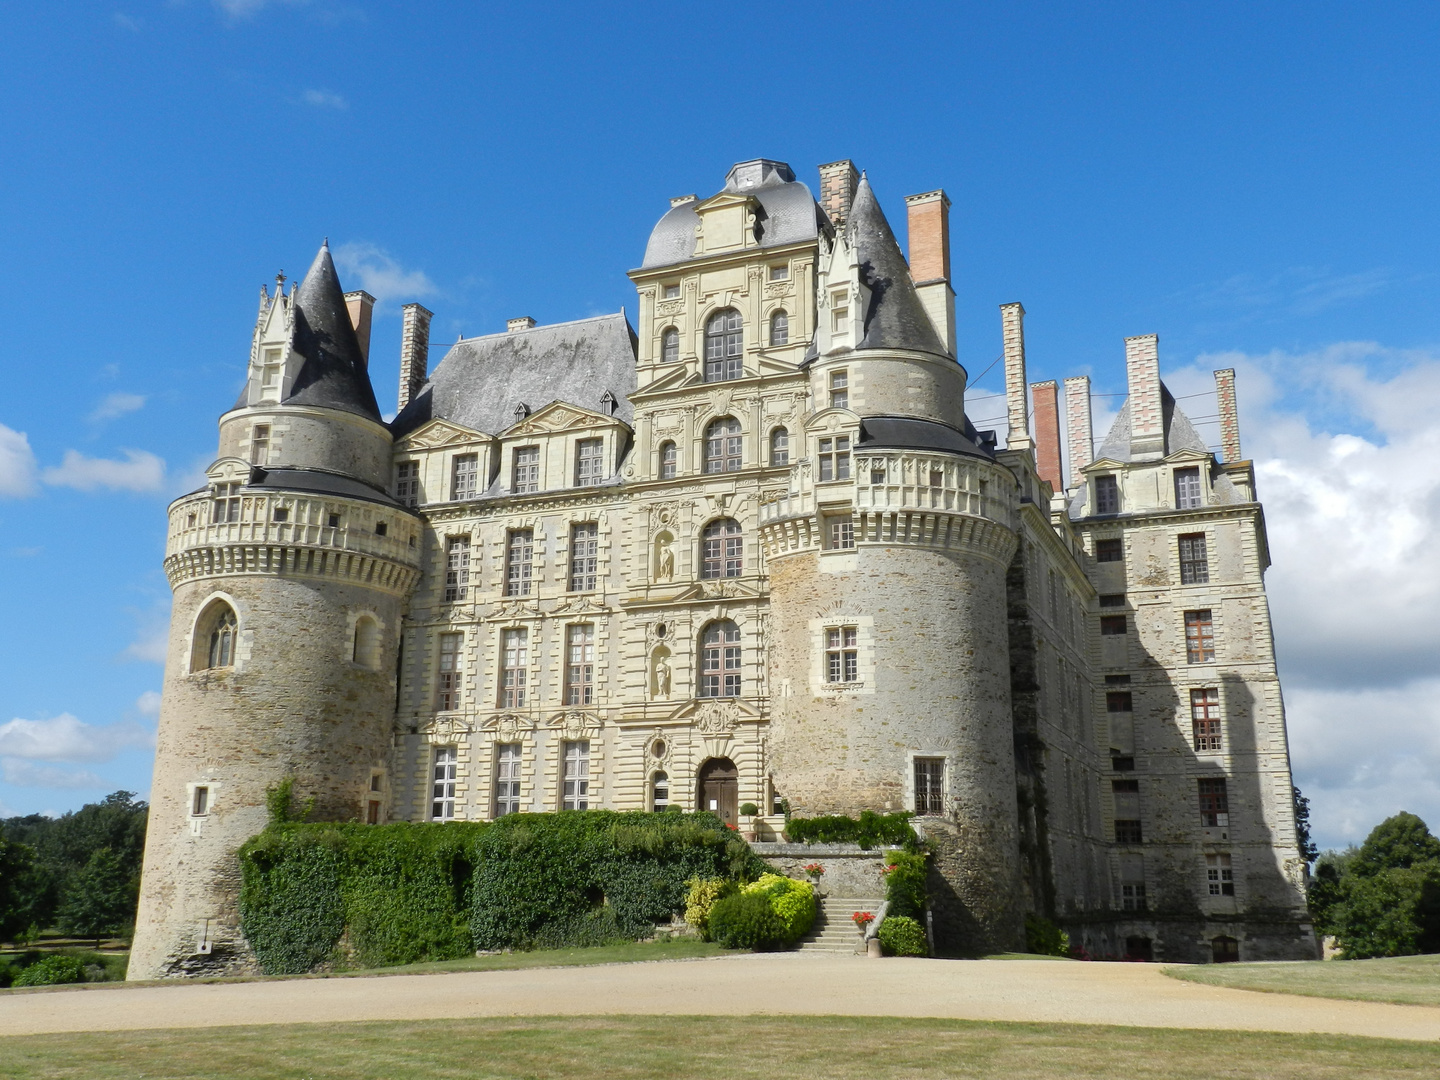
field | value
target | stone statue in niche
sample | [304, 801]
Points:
[664, 558]
[660, 683]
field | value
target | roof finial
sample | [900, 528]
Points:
[280, 280]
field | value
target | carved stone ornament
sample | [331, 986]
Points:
[777, 289]
[576, 725]
[669, 307]
[717, 718]
[447, 727]
[508, 727]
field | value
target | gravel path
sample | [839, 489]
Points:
[1026, 990]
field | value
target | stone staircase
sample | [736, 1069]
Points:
[834, 930]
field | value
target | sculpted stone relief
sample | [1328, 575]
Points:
[660, 674]
[717, 718]
[664, 558]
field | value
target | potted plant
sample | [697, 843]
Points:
[748, 813]
[863, 919]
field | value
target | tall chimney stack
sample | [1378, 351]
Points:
[360, 304]
[1012, 322]
[929, 232]
[1147, 418]
[1047, 432]
[1229, 415]
[1077, 426]
[838, 181]
[414, 351]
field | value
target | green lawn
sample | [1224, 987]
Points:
[763, 1048]
[1404, 980]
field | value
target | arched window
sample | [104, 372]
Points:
[722, 445]
[779, 328]
[720, 660]
[659, 792]
[215, 633]
[724, 344]
[721, 549]
[669, 459]
[669, 345]
[367, 643]
[780, 447]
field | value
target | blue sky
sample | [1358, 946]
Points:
[1253, 182]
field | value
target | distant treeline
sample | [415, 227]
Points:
[79, 873]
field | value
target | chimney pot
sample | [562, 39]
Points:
[414, 351]
[360, 305]
[524, 322]
[1012, 322]
[1047, 432]
[928, 217]
[1229, 415]
[838, 181]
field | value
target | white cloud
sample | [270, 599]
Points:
[141, 471]
[117, 404]
[325, 99]
[28, 774]
[1300, 290]
[243, 9]
[1346, 445]
[380, 275]
[127, 22]
[64, 738]
[17, 464]
[149, 646]
[148, 703]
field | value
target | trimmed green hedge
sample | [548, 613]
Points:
[902, 936]
[747, 920]
[905, 887]
[583, 877]
[346, 893]
[869, 830]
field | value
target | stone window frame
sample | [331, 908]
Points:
[657, 778]
[590, 461]
[373, 648]
[837, 388]
[1206, 725]
[778, 442]
[1112, 551]
[669, 453]
[729, 455]
[779, 324]
[834, 454]
[728, 680]
[407, 482]
[670, 345]
[212, 789]
[583, 572]
[450, 681]
[578, 753]
[839, 531]
[1213, 793]
[724, 362]
[533, 479]
[1190, 497]
[459, 553]
[260, 444]
[443, 783]
[464, 482]
[912, 772]
[1107, 494]
[201, 632]
[515, 694]
[1219, 874]
[579, 675]
[1200, 645]
[508, 800]
[864, 648]
[729, 549]
[373, 803]
[842, 654]
[520, 577]
[1193, 553]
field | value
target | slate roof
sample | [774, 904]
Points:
[481, 380]
[895, 319]
[1180, 434]
[908, 433]
[788, 213]
[320, 483]
[333, 374]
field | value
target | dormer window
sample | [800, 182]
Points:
[1107, 495]
[270, 375]
[607, 403]
[670, 292]
[260, 445]
[521, 411]
[670, 346]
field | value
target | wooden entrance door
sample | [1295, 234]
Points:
[720, 789]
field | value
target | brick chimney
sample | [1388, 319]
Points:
[1012, 322]
[360, 305]
[1147, 419]
[929, 234]
[1081, 439]
[1229, 415]
[838, 181]
[414, 351]
[524, 322]
[1047, 432]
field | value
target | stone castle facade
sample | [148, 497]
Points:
[751, 551]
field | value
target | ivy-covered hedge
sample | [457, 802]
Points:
[869, 830]
[905, 884]
[367, 895]
[584, 877]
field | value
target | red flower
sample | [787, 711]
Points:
[863, 918]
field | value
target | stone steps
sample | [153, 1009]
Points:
[834, 930]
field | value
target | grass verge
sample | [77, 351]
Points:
[1401, 980]
[628, 1048]
[631, 952]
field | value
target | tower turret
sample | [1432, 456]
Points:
[889, 662]
[290, 573]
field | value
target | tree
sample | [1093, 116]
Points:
[99, 900]
[16, 865]
[1389, 892]
[1308, 851]
[1398, 842]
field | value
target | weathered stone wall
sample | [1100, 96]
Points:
[312, 438]
[851, 872]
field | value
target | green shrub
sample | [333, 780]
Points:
[747, 920]
[905, 884]
[901, 935]
[394, 893]
[870, 830]
[52, 970]
[1044, 938]
[749, 809]
[701, 898]
[537, 874]
[793, 901]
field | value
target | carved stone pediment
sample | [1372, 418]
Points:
[438, 433]
[559, 416]
[509, 726]
[449, 726]
[576, 724]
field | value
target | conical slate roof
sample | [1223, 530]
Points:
[896, 318]
[333, 375]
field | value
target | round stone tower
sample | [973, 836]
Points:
[888, 642]
[290, 572]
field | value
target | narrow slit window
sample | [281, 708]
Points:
[260, 445]
[840, 389]
[200, 802]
